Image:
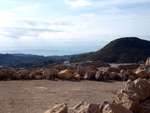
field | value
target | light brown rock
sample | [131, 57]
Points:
[115, 108]
[147, 62]
[141, 73]
[134, 93]
[84, 107]
[65, 74]
[38, 77]
[60, 108]
[77, 76]
[113, 75]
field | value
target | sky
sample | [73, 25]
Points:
[65, 27]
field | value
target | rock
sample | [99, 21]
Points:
[147, 62]
[140, 87]
[7, 74]
[113, 75]
[50, 73]
[47, 74]
[32, 74]
[134, 93]
[38, 77]
[65, 74]
[100, 64]
[128, 66]
[112, 69]
[77, 76]
[60, 108]
[90, 72]
[98, 75]
[141, 73]
[124, 100]
[84, 107]
[132, 77]
[129, 72]
[22, 74]
[81, 70]
[122, 71]
[148, 69]
[115, 108]
[122, 77]
[105, 75]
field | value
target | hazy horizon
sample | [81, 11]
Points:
[65, 27]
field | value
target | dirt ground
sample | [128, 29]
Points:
[37, 96]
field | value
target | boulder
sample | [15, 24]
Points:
[98, 75]
[83, 107]
[122, 76]
[131, 77]
[90, 72]
[7, 74]
[105, 75]
[65, 74]
[77, 76]
[148, 69]
[50, 73]
[140, 87]
[113, 75]
[60, 108]
[129, 72]
[134, 94]
[112, 69]
[147, 62]
[38, 77]
[141, 73]
[22, 74]
[81, 70]
[115, 108]
[122, 71]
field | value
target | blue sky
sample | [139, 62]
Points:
[62, 27]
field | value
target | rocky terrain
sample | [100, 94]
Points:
[84, 80]
[134, 98]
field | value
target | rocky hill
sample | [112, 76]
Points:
[129, 49]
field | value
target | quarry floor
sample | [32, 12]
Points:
[37, 96]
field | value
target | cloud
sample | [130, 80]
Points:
[78, 3]
[101, 3]
[17, 32]
[25, 8]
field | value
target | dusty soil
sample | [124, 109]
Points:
[37, 96]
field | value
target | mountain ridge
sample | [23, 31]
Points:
[122, 50]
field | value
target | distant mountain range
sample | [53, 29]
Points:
[128, 49]
[29, 61]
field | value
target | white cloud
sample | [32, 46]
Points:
[78, 3]
[25, 8]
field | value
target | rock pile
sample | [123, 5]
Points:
[134, 98]
[81, 71]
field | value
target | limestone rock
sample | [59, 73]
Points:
[60, 108]
[147, 62]
[65, 74]
[112, 75]
[132, 77]
[98, 75]
[134, 94]
[84, 107]
[77, 76]
[38, 77]
[115, 108]
[141, 73]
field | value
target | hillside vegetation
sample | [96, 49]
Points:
[130, 49]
